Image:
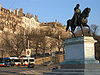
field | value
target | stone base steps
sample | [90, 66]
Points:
[80, 66]
[76, 69]
[68, 70]
[64, 73]
[74, 72]
[71, 66]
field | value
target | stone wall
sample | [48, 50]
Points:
[39, 61]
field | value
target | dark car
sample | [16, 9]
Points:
[47, 63]
[31, 65]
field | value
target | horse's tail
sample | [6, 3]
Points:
[68, 24]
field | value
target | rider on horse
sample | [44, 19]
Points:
[77, 13]
[79, 19]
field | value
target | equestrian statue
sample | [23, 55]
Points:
[79, 19]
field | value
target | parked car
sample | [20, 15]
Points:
[31, 65]
[48, 63]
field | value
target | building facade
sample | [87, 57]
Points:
[12, 20]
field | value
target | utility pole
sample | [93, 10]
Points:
[28, 44]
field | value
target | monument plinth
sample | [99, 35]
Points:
[80, 50]
[79, 58]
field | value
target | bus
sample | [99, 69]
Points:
[2, 62]
[6, 62]
[27, 61]
[24, 61]
[16, 61]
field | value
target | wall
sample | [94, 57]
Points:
[59, 58]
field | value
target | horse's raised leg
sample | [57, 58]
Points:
[72, 30]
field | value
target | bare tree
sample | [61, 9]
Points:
[37, 39]
[14, 43]
[43, 46]
[7, 42]
[59, 43]
[52, 45]
[19, 44]
[94, 29]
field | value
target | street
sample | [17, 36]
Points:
[23, 70]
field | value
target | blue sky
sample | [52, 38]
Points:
[50, 10]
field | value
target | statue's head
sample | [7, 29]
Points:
[78, 5]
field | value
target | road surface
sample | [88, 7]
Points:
[37, 70]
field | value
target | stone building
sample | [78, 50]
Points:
[8, 20]
[12, 20]
[17, 21]
[29, 23]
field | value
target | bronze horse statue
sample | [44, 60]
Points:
[81, 22]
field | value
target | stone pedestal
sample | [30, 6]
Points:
[80, 50]
[79, 58]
